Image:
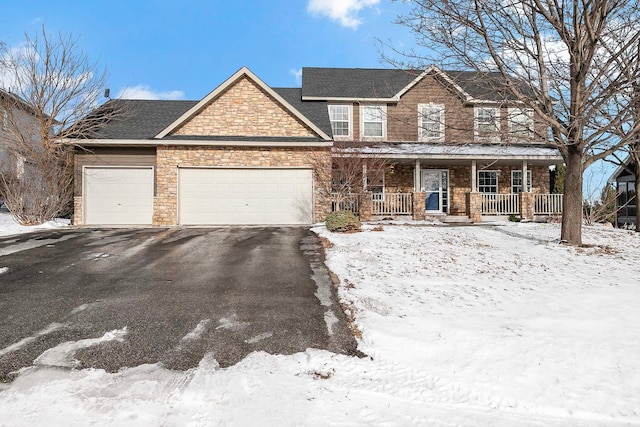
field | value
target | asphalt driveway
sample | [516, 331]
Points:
[172, 295]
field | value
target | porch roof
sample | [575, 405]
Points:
[457, 153]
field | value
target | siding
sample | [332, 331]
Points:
[111, 157]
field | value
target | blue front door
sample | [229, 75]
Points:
[435, 184]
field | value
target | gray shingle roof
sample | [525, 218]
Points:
[354, 82]
[142, 119]
[385, 83]
[146, 118]
[316, 111]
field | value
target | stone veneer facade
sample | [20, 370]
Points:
[170, 158]
[245, 109]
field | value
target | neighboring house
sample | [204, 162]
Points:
[16, 120]
[245, 153]
[626, 202]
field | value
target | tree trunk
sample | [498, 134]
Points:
[572, 202]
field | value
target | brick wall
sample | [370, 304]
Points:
[171, 157]
[245, 110]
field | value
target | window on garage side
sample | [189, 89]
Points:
[340, 117]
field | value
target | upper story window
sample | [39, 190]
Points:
[487, 121]
[516, 181]
[521, 122]
[340, 117]
[373, 121]
[430, 122]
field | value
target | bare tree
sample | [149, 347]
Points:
[349, 174]
[50, 91]
[577, 58]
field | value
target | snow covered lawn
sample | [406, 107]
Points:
[9, 226]
[463, 325]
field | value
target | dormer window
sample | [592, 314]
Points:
[373, 121]
[430, 122]
[340, 117]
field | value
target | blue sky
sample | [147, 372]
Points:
[183, 50]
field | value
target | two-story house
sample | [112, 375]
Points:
[248, 154]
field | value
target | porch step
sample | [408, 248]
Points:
[451, 219]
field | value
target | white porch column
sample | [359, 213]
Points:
[474, 177]
[525, 187]
[364, 177]
[416, 177]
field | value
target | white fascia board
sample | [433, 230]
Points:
[244, 71]
[358, 100]
[433, 69]
[621, 168]
[191, 142]
[459, 156]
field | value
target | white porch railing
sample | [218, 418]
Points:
[348, 202]
[392, 204]
[500, 204]
[547, 204]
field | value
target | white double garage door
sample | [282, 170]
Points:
[206, 196]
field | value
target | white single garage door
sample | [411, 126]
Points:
[118, 195]
[245, 196]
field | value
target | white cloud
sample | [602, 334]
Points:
[145, 92]
[297, 74]
[343, 11]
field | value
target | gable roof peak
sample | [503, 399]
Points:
[241, 73]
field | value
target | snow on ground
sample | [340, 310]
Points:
[9, 226]
[468, 325]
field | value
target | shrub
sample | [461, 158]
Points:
[342, 221]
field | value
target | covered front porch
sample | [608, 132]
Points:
[461, 186]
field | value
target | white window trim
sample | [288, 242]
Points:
[512, 112]
[384, 123]
[529, 183]
[497, 172]
[422, 189]
[421, 137]
[348, 137]
[484, 137]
